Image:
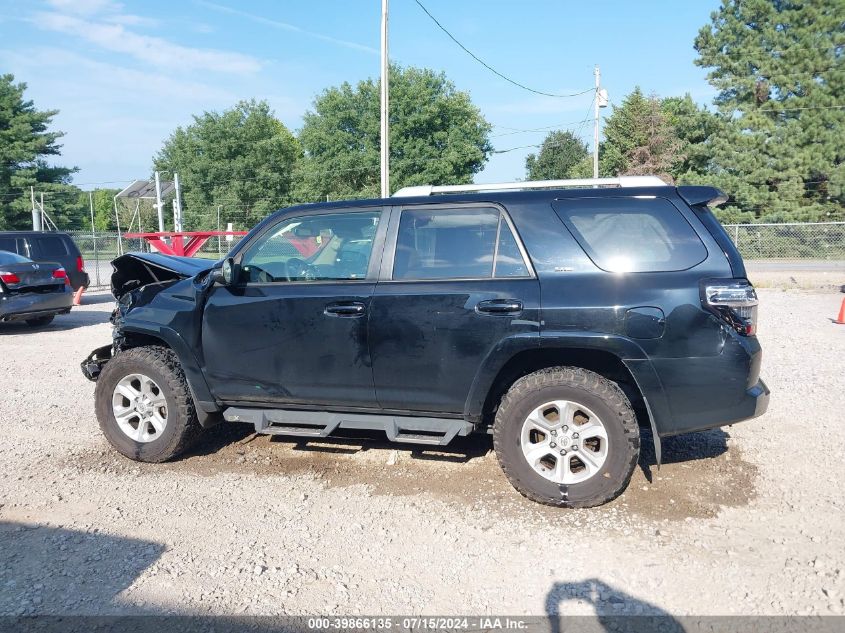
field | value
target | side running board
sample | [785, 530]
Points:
[432, 431]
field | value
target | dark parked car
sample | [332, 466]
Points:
[32, 292]
[557, 319]
[45, 247]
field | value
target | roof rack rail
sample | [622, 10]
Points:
[621, 181]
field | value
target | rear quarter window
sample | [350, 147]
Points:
[12, 245]
[632, 234]
[51, 245]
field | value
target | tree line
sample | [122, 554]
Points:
[773, 139]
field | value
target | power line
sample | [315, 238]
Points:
[489, 67]
[557, 126]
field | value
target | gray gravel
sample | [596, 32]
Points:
[746, 521]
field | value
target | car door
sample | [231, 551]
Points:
[455, 281]
[293, 328]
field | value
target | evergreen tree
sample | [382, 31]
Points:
[640, 140]
[693, 126]
[25, 145]
[780, 71]
[561, 156]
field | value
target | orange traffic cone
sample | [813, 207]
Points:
[841, 319]
[77, 296]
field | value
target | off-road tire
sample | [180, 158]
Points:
[41, 321]
[591, 390]
[162, 365]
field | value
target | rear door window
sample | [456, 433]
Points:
[632, 234]
[456, 243]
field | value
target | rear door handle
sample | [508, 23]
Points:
[351, 309]
[499, 306]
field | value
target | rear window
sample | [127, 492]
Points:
[632, 234]
[51, 245]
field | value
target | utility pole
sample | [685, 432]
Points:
[117, 221]
[177, 219]
[597, 73]
[42, 211]
[385, 145]
[601, 102]
[159, 206]
[36, 223]
[219, 247]
[94, 236]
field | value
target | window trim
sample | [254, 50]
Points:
[372, 266]
[386, 273]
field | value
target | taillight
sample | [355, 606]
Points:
[10, 278]
[734, 301]
[60, 273]
[80, 265]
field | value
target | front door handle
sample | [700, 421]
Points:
[499, 306]
[351, 309]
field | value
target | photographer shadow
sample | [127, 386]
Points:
[614, 610]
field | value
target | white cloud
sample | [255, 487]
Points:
[85, 7]
[115, 117]
[285, 26]
[105, 10]
[145, 48]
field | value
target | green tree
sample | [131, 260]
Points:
[694, 126]
[25, 144]
[561, 156]
[640, 140]
[437, 136]
[103, 200]
[242, 159]
[780, 72]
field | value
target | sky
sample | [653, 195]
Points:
[124, 75]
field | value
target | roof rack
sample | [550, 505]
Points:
[621, 181]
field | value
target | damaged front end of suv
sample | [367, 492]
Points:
[157, 296]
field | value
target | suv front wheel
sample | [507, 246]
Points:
[144, 405]
[567, 437]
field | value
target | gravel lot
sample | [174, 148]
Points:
[748, 520]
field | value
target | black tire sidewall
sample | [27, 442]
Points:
[604, 485]
[114, 372]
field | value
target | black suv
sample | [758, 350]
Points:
[557, 319]
[45, 247]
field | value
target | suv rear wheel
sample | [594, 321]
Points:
[567, 437]
[144, 405]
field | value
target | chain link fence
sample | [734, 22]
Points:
[807, 241]
[821, 240]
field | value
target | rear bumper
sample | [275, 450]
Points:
[698, 393]
[79, 278]
[33, 304]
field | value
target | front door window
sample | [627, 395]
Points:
[330, 247]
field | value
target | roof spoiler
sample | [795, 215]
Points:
[702, 195]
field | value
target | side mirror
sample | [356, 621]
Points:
[229, 271]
